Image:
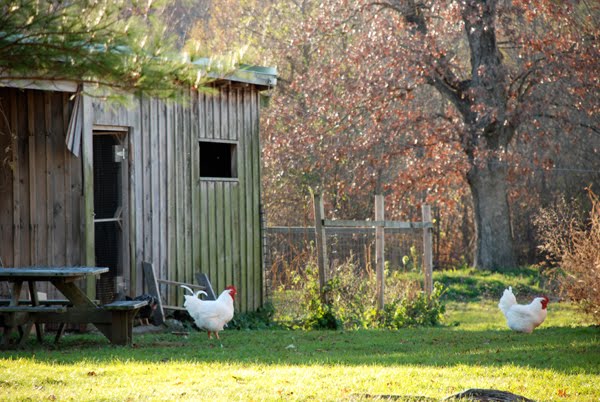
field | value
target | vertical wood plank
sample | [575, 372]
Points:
[224, 113]
[68, 189]
[180, 178]
[136, 201]
[219, 281]
[187, 132]
[379, 250]
[16, 175]
[24, 178]
[49, 179]
[7, 227]
[57, 192]
[204, 230]
[212, 230]
[77, 214]
[163, 188]
[235, 248]
[172, 204]
[232, 114]
[195, 181]
[146, 190]
[256, 232]
[40, 177]
[248, 196]
[427, 249]
[155, 188]
[203, 192]
[210, 118]
[32, 176]
[129, 274]
[87, 160]
[216, 102]
[228, 234]
[242, 229]
[174, 270]
[235, 197]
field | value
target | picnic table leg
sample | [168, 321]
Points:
[12, 322]
[39, 331]
[122, 327]
[60, 332]
[14, 301]
[24, 331]
[6, 332]
[79, 298]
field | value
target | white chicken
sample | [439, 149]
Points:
[523, 318]
[210, 315]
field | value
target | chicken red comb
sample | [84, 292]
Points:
[232, 290]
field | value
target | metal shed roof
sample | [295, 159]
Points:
[264, 77]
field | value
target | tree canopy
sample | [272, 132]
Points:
[122, 44]
[452, 102]
[438, 101]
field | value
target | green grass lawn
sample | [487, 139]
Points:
[560, 361]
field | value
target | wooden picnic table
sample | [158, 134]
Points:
[114, 320]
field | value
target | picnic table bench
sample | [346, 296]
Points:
[51, 302]
[33, 309]
[114, 320]
[123, 313]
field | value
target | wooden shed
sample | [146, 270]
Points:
[84, 181]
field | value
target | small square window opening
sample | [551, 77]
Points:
[218, 160]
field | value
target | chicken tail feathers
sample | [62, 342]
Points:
[507, 300]
[188, 289]
[192, 292]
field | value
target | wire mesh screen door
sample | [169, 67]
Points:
[110, 189]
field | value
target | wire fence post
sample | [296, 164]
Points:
[319, 212]
[427, 248]
[379, 249]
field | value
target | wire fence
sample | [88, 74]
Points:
[289, 250]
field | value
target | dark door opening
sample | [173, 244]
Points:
[110, 189]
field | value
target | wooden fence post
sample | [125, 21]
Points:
[321, 243]
[427, 248]
[379, 249]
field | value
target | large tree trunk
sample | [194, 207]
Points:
[482, 101]
[494, 246]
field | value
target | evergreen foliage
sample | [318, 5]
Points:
[120, 44]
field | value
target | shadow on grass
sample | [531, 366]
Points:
[473, 285]
[570, 350]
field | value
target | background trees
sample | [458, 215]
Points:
[483, 108]
[491, 104]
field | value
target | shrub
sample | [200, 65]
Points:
[416, 311]
[350, 301]
[262, 318]
[572, 247]
[320, 312]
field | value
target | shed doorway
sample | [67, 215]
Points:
[111, 187]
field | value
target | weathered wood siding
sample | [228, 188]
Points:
[40, 181]
[184, 224]
[230, 243]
